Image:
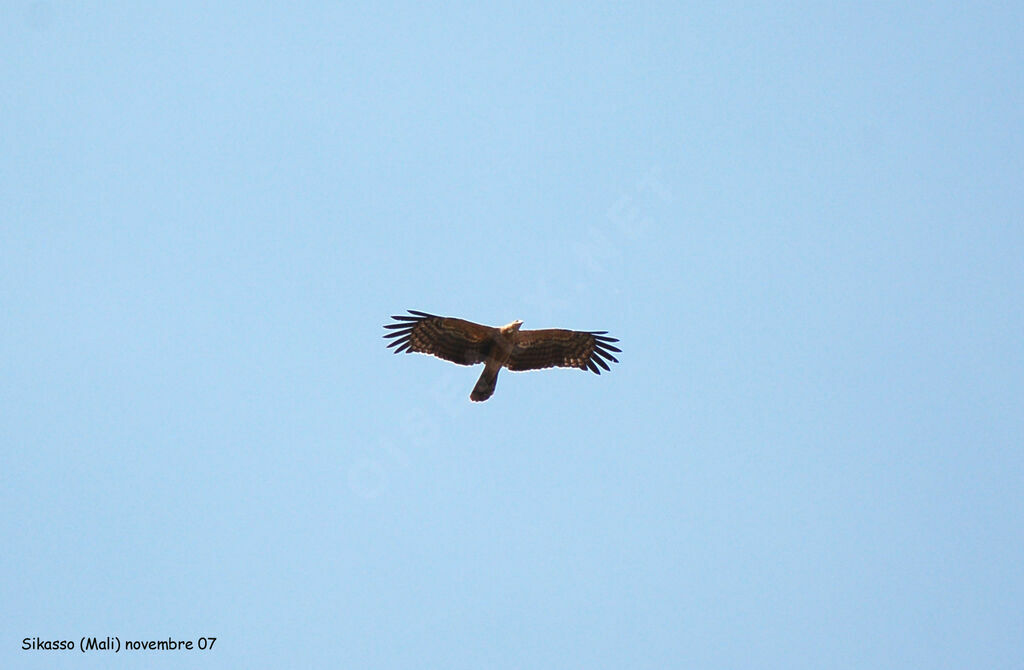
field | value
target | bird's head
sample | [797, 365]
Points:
[512, 327]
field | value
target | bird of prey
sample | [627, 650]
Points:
[468, 343]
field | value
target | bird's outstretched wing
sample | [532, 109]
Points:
[553, 347]
[455, 340]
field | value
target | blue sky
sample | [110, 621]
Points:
[804, 222]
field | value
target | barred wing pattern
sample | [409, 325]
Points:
[553, 347]
[455, 340]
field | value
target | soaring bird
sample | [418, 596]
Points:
[468, 343]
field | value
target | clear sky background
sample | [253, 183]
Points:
[805, 223]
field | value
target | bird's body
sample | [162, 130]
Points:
[504, 343]
[468, 343]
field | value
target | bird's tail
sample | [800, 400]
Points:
[484, 388]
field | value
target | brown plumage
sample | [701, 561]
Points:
[468, 343]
